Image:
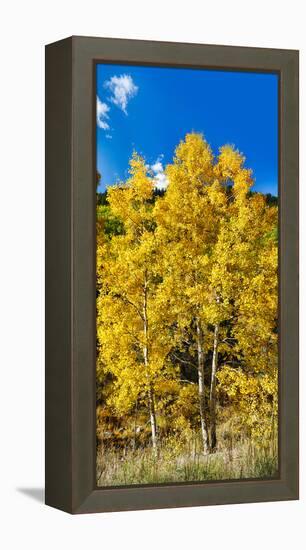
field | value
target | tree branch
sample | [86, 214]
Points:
[127, 301]
[183, 360]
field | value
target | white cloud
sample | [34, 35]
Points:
[102, 114]
[123, 89]
[161, 180]
[108, 136]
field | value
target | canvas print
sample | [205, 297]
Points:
[187, 275]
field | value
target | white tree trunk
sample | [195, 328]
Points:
[146, 362]
[152, 419]
[201, 386]
[212, 396]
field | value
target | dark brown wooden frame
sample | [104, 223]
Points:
[70, 274]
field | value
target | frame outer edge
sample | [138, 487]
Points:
[289, 424]
[77, 450]
[58, 367]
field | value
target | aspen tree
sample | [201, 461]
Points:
[187, 228]
[129, 325]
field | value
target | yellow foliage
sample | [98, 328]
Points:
[254, 398]
[205, 254]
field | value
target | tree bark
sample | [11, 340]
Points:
[152, 419]
[151, 402]
[212, 396]
[135, 424]
[201, 386]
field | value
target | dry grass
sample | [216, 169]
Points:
[183, 462]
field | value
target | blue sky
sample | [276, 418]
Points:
[150, 109]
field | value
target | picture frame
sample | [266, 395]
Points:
[71, 271]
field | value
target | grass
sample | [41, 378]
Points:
[183, 463]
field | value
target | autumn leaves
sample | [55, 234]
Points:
[187, 296]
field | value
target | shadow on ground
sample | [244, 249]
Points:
[36, 493]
